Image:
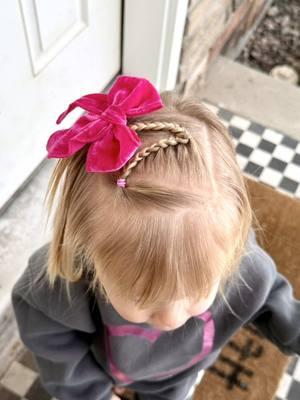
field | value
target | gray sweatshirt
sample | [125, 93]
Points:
[84, 348]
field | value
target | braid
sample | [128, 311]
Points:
[181, 136]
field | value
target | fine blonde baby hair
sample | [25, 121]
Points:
[179, 225]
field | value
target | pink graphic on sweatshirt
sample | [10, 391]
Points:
[208, 338]
[116, 372]
[130, 330]
[152, 335]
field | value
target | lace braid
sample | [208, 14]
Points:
[182, 136]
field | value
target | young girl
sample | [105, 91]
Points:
[153, 263]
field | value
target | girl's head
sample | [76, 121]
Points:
[175, 233]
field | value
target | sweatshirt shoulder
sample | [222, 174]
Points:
[257, 267]
[33, 288]
[258, 258]
[32, 280]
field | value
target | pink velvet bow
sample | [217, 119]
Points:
[112, 142]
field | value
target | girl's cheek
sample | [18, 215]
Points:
[134, 317]
[201, 307]
[131, 314]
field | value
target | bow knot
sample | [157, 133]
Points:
[111, 142]
[114, 115]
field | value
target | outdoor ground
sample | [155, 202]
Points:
[276, 41]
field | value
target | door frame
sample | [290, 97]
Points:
[152, 50]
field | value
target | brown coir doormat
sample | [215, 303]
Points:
[249, 366]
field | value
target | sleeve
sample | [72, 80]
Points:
[68, 369]
[278, 318]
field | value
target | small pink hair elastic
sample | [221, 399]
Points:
[121, 182]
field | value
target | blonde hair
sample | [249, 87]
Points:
[180, 224]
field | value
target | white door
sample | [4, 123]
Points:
[51, 52]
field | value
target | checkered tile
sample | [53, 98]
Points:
[22, 381]
[264, 154]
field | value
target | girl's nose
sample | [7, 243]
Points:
[169, 318]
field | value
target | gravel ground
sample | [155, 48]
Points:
[276, 41]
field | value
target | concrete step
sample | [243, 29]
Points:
[254, 95]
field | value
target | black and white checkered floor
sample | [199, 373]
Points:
[265, 155]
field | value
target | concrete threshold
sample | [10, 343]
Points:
[254, 95]
[22, 231]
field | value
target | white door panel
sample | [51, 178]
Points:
[51, 52]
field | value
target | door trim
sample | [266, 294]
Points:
[152, 40]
